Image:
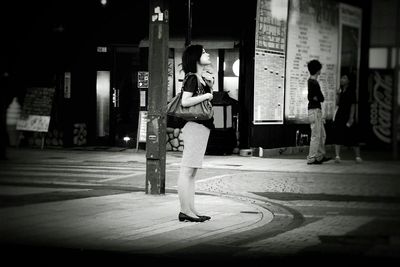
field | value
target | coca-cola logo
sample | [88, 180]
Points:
[381, 107]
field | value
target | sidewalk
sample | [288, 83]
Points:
[129, 223]
[374, 161]
[132, 223]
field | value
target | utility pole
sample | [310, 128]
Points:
[189, 24]
[157, 97]
[396, 86]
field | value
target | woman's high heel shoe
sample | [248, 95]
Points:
[204, 217]
[183, 217]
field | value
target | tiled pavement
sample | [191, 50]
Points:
[129, 222]
[138, 224]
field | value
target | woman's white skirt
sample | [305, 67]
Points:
[195, 139]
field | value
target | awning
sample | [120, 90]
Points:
[206, 43]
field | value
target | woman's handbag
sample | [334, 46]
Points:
[200, 111]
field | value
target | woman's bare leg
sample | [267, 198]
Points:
[357, 153]
[193, 192]
[337, 151]
[186, 189]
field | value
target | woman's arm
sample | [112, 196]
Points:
[189, 100]
[338, 96]
[352, 109]
[351, 116]
[208, 78]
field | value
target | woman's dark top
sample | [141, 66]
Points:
[314, 90]
[345, 135]
[346, 98]
[193, 85]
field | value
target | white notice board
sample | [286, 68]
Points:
[313, 33]
[269, 62]
[34, 123]
[142, 128]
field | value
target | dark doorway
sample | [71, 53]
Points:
[125, 96]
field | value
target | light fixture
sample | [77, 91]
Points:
[235, 67]
[126, 139]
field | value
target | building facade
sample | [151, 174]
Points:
[99, 68]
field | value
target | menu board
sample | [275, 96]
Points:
[36, 110]
[312, 34]
[269, 64]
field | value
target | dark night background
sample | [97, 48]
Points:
[38, 35]
[41, 36]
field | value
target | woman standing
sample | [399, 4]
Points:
[195, 133]
[344, 123]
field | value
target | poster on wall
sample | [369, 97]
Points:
[143, 79]
[313, 33]
[350, 15]
[142, 128]
[180, 75]
[269, 62]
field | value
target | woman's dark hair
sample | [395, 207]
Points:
[347, 75]
[350, 73]
[314, 66]
[350, 77]
[190, 57]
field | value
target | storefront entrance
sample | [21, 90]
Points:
[118, 98]
[125, 97]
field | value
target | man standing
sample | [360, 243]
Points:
[4, 84]
[315, 97]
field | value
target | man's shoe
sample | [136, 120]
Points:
[337, 159]
[315, 162]
[325, 159]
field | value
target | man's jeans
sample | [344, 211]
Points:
[318, 136]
